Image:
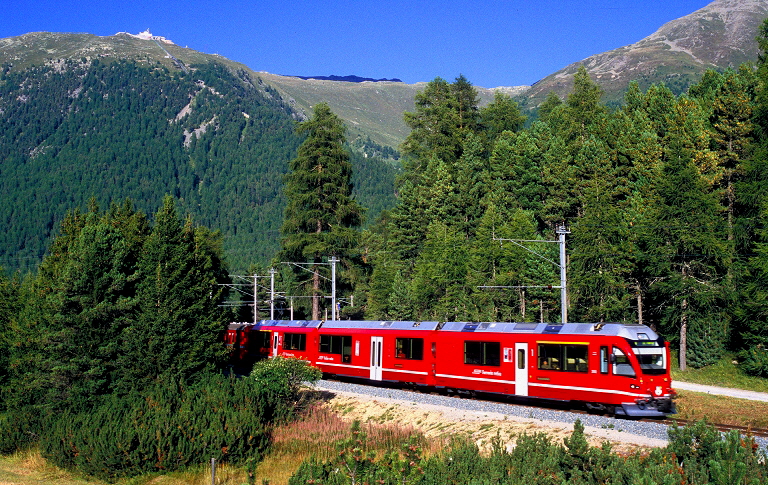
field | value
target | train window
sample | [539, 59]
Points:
[409, 348]
[337, 344]
[521, 359]
[651, 363]
[621, 364]
[550, 356]
[603, 360]
[295, 341]
[262, 340]
[566, 357]
[575, 358]
[482, 353]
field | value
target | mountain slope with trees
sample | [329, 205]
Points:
[219, 141]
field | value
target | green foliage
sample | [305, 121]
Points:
[179, 322]
[322, 217]
[754, 361]
[696, 454]
[285, 377]
[169, 427]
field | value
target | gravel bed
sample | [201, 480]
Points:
[652, 431]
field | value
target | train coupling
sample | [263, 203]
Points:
[649, 407]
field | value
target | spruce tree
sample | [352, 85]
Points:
[322, 217]
[177, 333]
[690, 251]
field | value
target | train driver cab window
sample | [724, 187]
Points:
[621, 364]
[409, 348]
[482, 353]
[295, 341]
[337, 344]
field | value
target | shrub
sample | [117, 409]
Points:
[168, 428]
[754, 361]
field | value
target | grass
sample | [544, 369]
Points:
[317, 434]
[724, 373]
[693, 406]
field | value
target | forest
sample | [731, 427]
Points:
[664, 198]
[217, 140]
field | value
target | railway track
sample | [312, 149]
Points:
[724, 428]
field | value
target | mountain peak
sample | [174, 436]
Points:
[719, 35]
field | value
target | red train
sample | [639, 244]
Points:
[619, 368]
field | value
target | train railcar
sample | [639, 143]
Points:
[613, 367]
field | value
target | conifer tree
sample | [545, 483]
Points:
[322, 217]
[689, 250]
[177, 333]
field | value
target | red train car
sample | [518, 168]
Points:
[619, 368]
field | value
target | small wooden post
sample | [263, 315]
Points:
[213, 471]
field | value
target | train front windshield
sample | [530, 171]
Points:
[651, 356]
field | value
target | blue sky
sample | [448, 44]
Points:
[493, 43]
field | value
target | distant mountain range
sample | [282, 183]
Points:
[221, 142]
[718, 36]
[350, 79]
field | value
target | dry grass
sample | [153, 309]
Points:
[29, 467]
[317, 434]
[694, 406]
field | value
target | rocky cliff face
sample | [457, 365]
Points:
[718, 36]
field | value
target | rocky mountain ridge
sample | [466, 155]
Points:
[718, 36]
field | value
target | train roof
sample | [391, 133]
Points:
[291, 323]
[379, 324]
[629, 331]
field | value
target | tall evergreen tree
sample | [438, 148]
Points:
[690, 250]
[322, 217]
[177, 333]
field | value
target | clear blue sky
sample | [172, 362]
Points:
[493, 43]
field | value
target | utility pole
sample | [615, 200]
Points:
[255, 299]
[333, 262]
[272, 293]
[561, 231]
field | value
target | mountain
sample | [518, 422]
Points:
[351, 78]
[85, 117]
[718, 36]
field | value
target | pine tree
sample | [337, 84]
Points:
[321, 218]
[177, 333]
[690, 251]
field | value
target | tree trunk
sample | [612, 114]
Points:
[683, 335]
[315, 294]
[639, 306]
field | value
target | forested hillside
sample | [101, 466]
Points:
[664, 198]
[218, 141]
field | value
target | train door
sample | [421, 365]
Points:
[377, 344]
[275, 340]
[521, 368]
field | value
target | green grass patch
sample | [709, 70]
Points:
[724, 373]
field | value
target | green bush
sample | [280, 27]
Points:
[696, 454]
[755, 361]
[168, 428]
